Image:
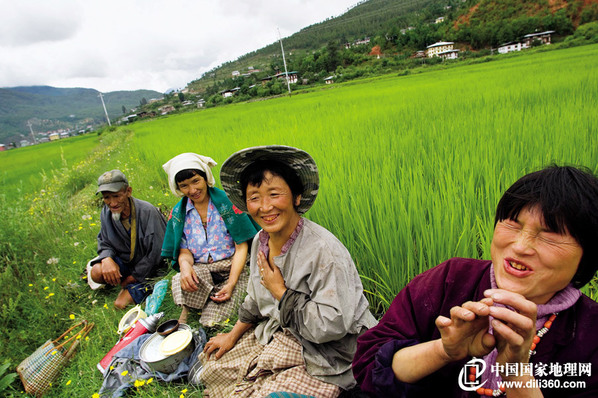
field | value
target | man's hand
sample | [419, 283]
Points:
[110, 271]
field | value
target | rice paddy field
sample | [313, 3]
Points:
[411, 170]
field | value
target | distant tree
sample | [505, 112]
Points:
[124, 110]
[333, 58]
[143, 101]
[181, 97]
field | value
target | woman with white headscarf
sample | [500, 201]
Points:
[206, 240]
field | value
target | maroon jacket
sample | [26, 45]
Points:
[573, 338]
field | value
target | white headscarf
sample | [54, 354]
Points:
[186, 161]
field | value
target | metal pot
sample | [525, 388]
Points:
[152, 356]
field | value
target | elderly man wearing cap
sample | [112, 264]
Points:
[298, 326]
[129, 241]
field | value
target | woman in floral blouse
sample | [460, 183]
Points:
[207, 240]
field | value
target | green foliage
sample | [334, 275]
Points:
[6, 379]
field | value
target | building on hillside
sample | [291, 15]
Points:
[329, 80]
[166, 109]
[53, 136]
[510, 47]
[543, 37]
[365, 40]
[23, 143]
[291, 75]
[236, 73]
[3, 147]
[448, 54]
[439, 20]
[64, 134]
[201, 103]
[439, 47]
[230, 92]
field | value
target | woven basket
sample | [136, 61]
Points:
[40, 369]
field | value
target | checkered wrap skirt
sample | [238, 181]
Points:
[211, 311]
[250, 369]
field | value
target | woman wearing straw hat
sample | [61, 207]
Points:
[305, 307]
[207, 240]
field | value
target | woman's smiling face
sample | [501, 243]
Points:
[195, 188]
[531, 260]
[272, 206]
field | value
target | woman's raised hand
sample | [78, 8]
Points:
[271, 277]
[514, 327]
[465, 333]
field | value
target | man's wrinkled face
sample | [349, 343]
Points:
[118, 202]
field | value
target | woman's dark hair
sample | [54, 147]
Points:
[568, 199]
[255, 174]
[188, 173]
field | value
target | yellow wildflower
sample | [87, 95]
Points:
[72, 316]
[139, 383]
[68, 382]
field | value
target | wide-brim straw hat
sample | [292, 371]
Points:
[300, 161]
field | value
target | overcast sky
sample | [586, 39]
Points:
[115, 45]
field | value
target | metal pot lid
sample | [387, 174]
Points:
[176, 342]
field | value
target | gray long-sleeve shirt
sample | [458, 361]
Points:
[325, 308]
[114, 240]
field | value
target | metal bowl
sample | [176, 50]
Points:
[151, 355]
[167, 327]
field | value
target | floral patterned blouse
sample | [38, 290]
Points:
[208, 243]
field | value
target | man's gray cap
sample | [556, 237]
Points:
[112, 181]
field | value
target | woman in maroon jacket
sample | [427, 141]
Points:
[516, 325]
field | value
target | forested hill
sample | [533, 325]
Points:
[51, 108]
[403, 26]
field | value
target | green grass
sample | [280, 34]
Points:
[411, 170]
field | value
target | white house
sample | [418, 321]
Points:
[291, 75]
[434, 49]
[543, 37]
[510, 47]
[448, 54]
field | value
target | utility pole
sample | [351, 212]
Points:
[31, 129]
[286, 73]
[105, 111]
